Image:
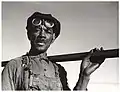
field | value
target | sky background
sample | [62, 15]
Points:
[85, 25]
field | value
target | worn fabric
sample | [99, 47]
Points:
[34, 73]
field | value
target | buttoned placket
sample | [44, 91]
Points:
[45, 70]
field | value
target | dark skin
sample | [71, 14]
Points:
[42, 37]
[88, 66]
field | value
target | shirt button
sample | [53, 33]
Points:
[44, 69]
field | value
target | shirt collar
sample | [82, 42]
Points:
[41, 56]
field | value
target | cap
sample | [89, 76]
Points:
[56, 28]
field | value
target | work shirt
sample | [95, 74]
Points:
[34, 73]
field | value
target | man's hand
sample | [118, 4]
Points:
[88, 66]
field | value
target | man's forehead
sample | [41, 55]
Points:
[56, 27]
[43, 16]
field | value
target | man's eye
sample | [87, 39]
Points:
[36, 29]
[49, 31]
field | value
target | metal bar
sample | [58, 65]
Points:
[111, 53]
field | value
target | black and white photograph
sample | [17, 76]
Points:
[60, 46]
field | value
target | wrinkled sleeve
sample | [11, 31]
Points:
[8, 76]
[63, 78]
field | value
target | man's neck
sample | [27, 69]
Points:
[35, 53]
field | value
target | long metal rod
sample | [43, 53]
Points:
[111, 53]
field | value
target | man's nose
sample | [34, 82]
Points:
[42, 31]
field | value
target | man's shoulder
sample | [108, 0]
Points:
[60, 67]
[15, 61]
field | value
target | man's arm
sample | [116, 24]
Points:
[7, 76]
[88, 66]
[63, 77]
[82, 83]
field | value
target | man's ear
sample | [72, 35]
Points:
[28, 35]
[53, 38]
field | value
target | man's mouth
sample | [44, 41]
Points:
[41, 43]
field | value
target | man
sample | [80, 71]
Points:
[34, 71]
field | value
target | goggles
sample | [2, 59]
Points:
[38, 22]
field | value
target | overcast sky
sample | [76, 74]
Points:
[85, 25]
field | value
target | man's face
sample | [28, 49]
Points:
[41, 35]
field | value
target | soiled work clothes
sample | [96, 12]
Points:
[34, 73]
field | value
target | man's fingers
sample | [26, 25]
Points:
[85, 64]
[95, 62]
[102, 60]
[89, 54]
[101, 49]
[90, 69]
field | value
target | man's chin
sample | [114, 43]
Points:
[41, 49]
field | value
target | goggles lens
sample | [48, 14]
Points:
[46, 22]
[36, 22]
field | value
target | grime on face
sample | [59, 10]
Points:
[41, 35]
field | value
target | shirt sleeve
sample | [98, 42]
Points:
[63, 77]
[8, 76]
